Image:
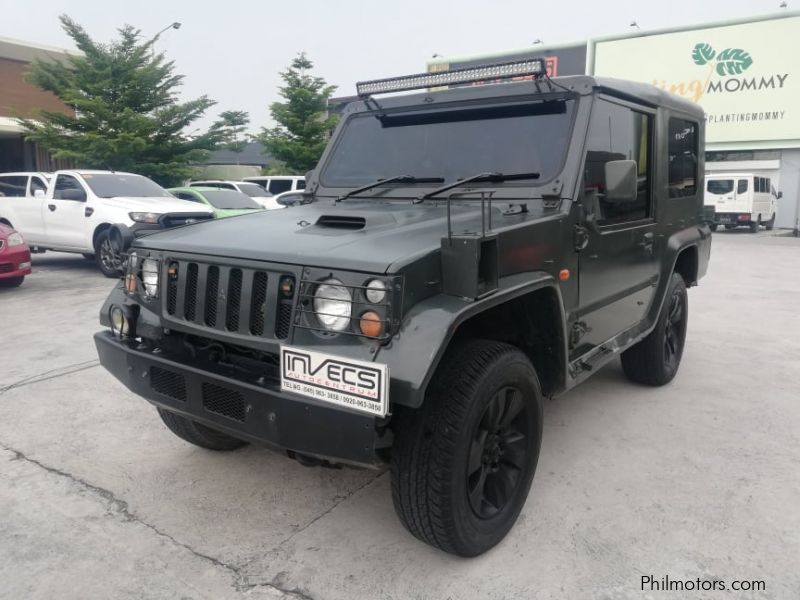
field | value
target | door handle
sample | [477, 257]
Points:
[52, 207]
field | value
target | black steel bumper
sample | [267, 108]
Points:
[260, 414]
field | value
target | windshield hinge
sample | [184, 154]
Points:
[552, 197]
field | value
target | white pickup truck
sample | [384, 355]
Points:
[79, 207]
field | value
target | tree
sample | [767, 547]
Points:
[233, 127]
[127, 114]
[303, 122]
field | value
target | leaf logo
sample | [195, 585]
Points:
[731, 61]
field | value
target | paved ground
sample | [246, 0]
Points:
[698, 479]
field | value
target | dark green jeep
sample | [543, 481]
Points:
[460, 255]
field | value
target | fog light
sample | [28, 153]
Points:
[371, 324]
[119, 321]
[24, 265]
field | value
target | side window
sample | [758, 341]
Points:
[682, 151]
[65, 183]
[37, 184]
[617, 133]
[767, 185]
[187, 196]
[276, 186]
[759, 184]
[741, 188]
[773, 191]
[13, 185]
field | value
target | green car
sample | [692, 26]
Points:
[225, 203]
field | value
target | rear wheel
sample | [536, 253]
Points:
[754, 225]
[713, 226]
[462, 464]
[770, 225]
[655, 360]
[108, 259]
[198, 434]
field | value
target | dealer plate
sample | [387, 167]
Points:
[356, 384]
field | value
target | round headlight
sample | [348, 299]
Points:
[332, 305]
[376, 291]
[150, 276]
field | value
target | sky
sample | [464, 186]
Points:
[233, 51]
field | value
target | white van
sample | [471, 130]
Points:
[277, 184]
[740, 199]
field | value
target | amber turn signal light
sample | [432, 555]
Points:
[130, 283]
[563, 274]
[371, 324]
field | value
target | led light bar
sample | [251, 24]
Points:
[533, 67]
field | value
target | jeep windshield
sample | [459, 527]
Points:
[452, 144]
[114, 185]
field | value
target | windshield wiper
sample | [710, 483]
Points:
[487, 176]
[395, 179]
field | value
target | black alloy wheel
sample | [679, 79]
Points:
[497, 455]
[108, 259]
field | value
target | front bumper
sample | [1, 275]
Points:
[15, 262]
[256, 413]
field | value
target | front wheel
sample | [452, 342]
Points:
[462, 464]
[12, 281]
[198, 434]
[108, 259]
[655, 360]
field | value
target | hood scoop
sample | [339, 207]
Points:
[348, 222]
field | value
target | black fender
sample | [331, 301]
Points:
[427, 329]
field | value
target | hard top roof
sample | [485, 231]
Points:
[579, 84]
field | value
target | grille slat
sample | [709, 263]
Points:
[190, 306]
[202, 285]
[211, 295]
[257, 300]
[234, 300]
[223, 401]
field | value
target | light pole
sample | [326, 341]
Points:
[174, 25]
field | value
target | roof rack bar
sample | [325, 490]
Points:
[506, 70]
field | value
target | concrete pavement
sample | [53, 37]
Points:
[700, 478]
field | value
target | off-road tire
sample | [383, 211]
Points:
[198, 434]
[754, 225]
[770, 225]
[433, 448]
[106, 257]
[12, 282]
[649, 362]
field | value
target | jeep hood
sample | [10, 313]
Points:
[360, 236]
[156, 205]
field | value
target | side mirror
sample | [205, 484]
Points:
[779, 196]
[621, 183]
[73, 194]
[39, 194]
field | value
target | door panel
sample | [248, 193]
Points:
[65, 220]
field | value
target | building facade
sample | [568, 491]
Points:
[21, 99]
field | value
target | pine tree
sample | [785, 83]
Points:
[127, 114]
[303, 122]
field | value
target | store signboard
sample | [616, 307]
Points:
[746, 76]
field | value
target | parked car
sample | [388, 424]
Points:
[224, 203]
[24, 185]
[80, 206]
[467, 253]
[741, 199]
[277, 184]
[15, 257]
[255, 191]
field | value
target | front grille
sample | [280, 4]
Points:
[230, 299]
[177, 219]
[168, 383]
[6, 268]
[223, 401]
[1, 244]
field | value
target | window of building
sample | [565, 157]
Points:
[741, 188]
[682, 151]
[617, 132]
[13, 185]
